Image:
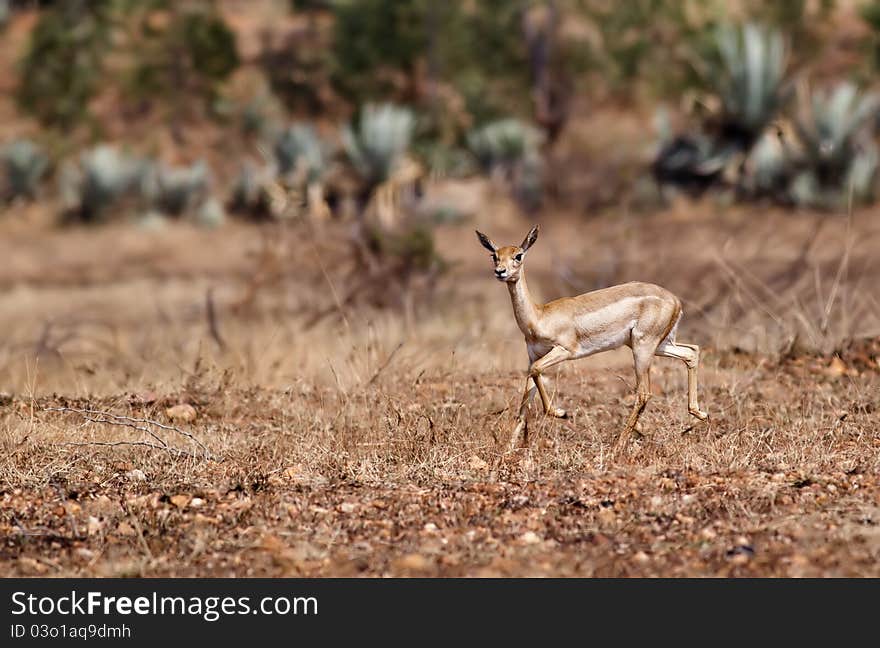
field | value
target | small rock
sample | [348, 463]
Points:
[143, 398]
[430, 526]
[94, 525]
[347, 507]
[125, 529]
[476, 463]
[180, 501]
[205, 519]
[34, 565]
[739, 559]
[103, 505]
[606, 516]
[641, 557]
[182, 412]
[196, 502]
[85, 554]
[413, 561]
[136, 475]
[530, 537]
[741, 554]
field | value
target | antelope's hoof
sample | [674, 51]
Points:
[558, 413]
[699, 414]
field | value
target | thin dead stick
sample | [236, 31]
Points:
[339, 304]
[841, 268]
[385, 364]
[128, 421]
[145, 444]
[737, 281]
[213, 326]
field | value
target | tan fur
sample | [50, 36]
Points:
[640, 315]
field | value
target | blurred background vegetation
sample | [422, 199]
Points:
[353, 109]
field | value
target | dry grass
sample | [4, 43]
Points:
[367, 445]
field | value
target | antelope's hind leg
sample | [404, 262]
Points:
[642, 356]
[690, 355]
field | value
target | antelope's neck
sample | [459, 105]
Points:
[525, 310]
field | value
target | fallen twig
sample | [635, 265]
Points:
[98, 416]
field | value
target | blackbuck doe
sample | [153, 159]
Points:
[642, 316]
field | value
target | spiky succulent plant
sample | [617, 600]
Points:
[503, 143]
[24, 166]
[104, 177]
[177, 190]
[750, 80]
[298, 149]
[829, 128]
[255, 192]
[379, 141]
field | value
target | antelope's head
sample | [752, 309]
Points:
[508, 261]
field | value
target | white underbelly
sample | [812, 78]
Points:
[599, 343]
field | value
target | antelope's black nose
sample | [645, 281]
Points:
[499, 272]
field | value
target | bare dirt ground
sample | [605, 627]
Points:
[368, 445]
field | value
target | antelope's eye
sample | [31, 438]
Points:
[518, 258]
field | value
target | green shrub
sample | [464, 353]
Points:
[63, 65]
[387, 48]
[184, 60]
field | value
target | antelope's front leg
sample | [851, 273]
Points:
[528, 394]
[556, 355]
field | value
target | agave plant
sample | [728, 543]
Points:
[105, 176]
[255, 192]
[176, 190]
[829, 128]
[503, 143]
[693, 162]
[512, 148]
[379, 142]
[24, 166]
[299, 150]
[210, 213]
[750, 81]
[862, 176]
[768, 168]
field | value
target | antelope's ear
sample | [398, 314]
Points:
[486, 242]
[530, 239]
